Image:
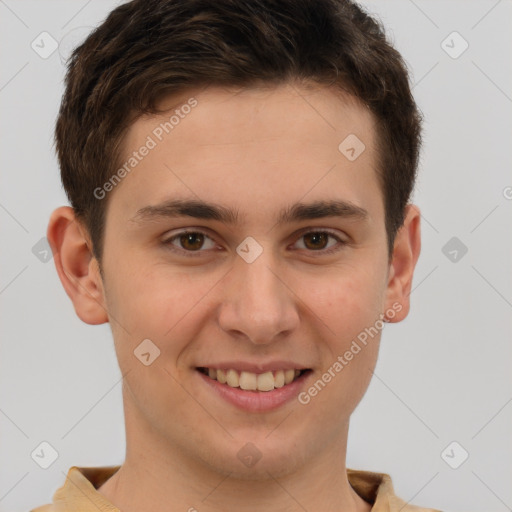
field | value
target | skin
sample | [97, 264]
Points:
[256, 151]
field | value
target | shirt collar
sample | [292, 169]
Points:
[79, 492]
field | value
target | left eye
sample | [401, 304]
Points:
[317, 240]
[193, 241]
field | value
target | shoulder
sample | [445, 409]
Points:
[377, 489]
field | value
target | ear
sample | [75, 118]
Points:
[78, 269]
[406, 251]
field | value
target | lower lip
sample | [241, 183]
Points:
[256, 401]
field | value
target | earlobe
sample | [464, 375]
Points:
[76, 266]
[406, 252]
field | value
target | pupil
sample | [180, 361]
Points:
[188, 239]
[316, 237]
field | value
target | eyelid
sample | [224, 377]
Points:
[320, 229]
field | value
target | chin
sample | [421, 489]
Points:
[258, 460]
[262, 459]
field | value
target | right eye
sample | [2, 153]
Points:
[189, 242]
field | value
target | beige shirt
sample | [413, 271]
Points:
[79, 492]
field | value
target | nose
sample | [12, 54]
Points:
[257, 303]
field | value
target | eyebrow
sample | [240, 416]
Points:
[210, 211]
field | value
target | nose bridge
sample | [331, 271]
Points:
[256, 302]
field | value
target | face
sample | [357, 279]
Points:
[270, 285]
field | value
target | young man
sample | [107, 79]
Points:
[239, 176]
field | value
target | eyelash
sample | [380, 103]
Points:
[168, 242]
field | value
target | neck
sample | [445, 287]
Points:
[157, 475]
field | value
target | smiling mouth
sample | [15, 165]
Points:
[248, 381]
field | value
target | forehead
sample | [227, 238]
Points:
[237, 112]
[251, 147]
[247, 116]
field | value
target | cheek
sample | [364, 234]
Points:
[164, 307]
[347, 300]
[347, 334]
[347, 340]
[156, 303]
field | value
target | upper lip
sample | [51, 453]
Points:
[270, 366]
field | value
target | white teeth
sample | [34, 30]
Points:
[266, 381]
[289, 376]
[279, 379]
[232, 378]
[249, 381]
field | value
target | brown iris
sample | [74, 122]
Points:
[192, 241]
[315, 238]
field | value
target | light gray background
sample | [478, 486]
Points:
[443, 374]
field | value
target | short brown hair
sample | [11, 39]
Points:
[147, 49]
